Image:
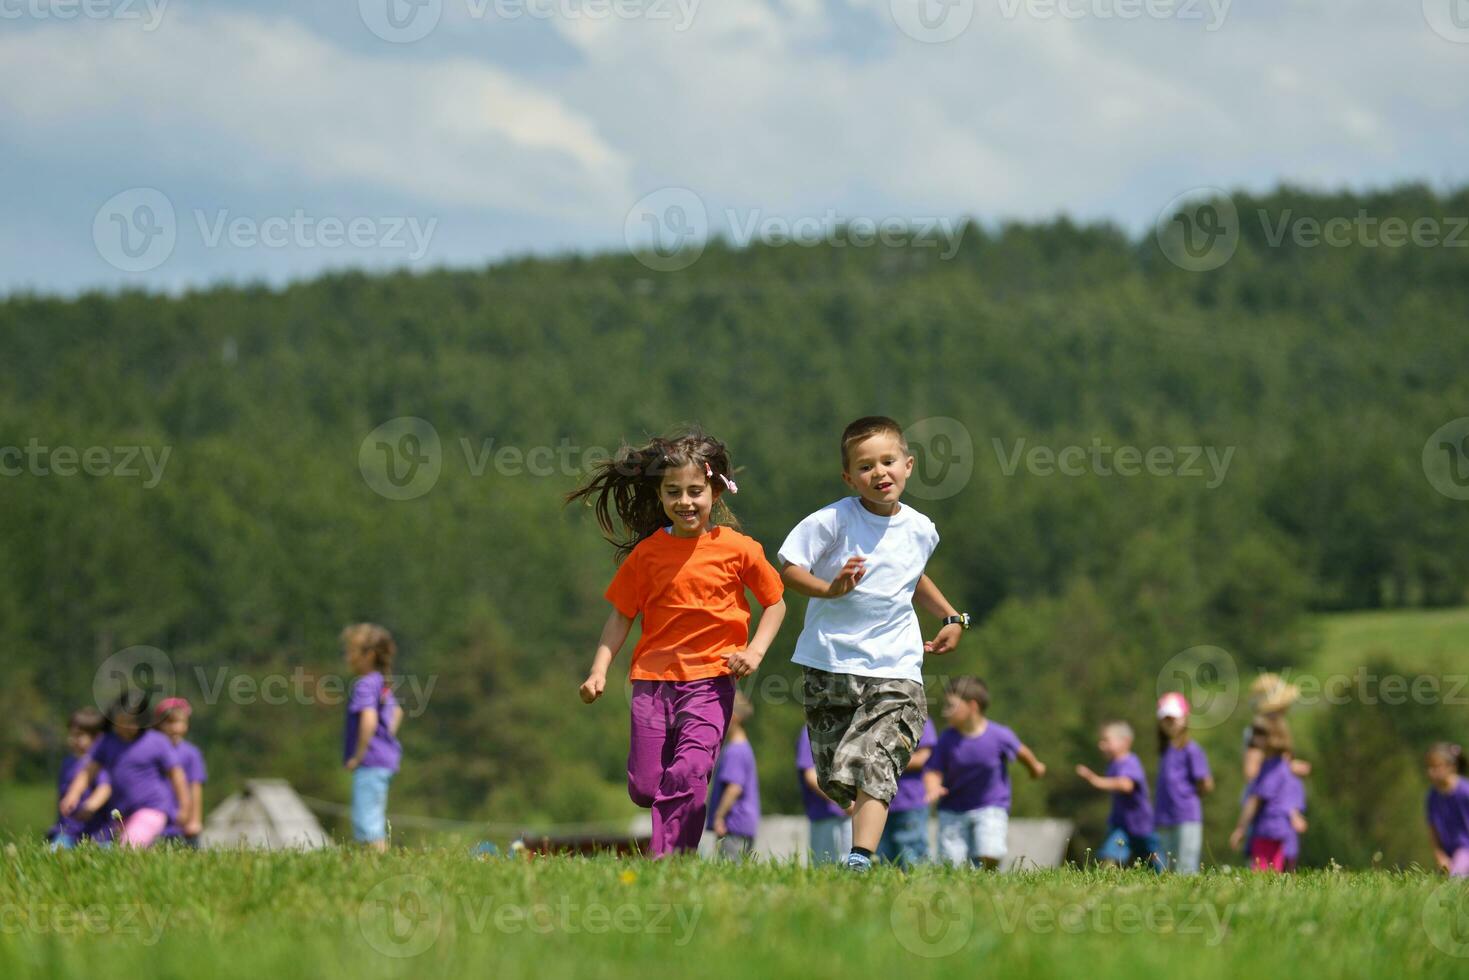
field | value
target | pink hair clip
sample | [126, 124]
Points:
[709, 472]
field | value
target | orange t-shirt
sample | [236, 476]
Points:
[691, 594]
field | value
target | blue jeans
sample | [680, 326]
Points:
[905, 838]
[1125, 848]
[831, 840]
[370, 803]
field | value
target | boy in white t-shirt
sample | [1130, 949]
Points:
[861, 561]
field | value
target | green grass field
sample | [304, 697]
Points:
[444, 914]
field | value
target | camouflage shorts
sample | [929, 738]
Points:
[863, 730]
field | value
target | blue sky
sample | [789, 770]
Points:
[236, 141]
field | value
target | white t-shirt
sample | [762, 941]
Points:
[872, 630]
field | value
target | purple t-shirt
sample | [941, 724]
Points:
[910, 784]
[383, 750]
[736, 766]
[975, 768]
[1272, 785]
[139, 771]
[1448, 815]
[817, 806]
[1131, 811]
[192, 761]
[1176, 798]
[71, 826]
[1295, 799]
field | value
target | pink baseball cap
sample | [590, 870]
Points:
[1173, 705]
[169, 705]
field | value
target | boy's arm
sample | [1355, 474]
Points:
[614, 634]
[366, 726]
[743, 663]
[1109, 784]
[732, 792]
[927, 595]
[933, 786]
[1028, 760]
[801, 580]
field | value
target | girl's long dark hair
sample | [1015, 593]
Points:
[624, 490]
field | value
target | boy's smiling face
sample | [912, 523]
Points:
[878, 469]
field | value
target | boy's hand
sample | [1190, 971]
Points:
[592, 687]
[743, 663]
[947, 639]
[1086, 773]
[846, 580]
[1039, 771]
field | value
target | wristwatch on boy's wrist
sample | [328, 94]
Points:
[962, 619]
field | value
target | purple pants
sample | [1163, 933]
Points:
[677, 729]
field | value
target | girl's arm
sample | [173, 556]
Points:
[808, 776]
[366, 728]
[1253, 758]
[1300, 767]
[96, 800]
[395, 719]
[927, 595]
[744, 662]
[933, 786]
[801, 580]
[919, 759]
[1246, 817]
[180, 787]
[1204, 786]
[1298, 821]
[614, 634]
[732, 792]
[79, 784]
[195, 824]
[1439, 854]
[1028, 760]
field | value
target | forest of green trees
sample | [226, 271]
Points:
[1318, 371]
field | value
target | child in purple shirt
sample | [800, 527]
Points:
[968, 775]
[89, 820]
[831, 827]
[173, 720]
[734, 792]
[904, 840]
[370, 744]
[1183, 777]
[1130, 835]
[147, 781]
[1269, 813]
[1448, 808]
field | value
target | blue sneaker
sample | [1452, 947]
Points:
[859, 863]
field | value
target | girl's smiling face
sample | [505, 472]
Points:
[175, 725]
[688, 500]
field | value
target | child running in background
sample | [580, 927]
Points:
[173, 720]
[734, 792]
[1130, 836]
[686, 577]
[147, 781]
[370, 747]
[1183, 777]
[1448, 807]
[89, 820]
[830, 825]
[904, 839]
[969, 777]
[861, 561]
[1272, 809]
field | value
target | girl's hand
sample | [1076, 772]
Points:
[743, 663]
[68, 803]
[193, 828]
[720, 827]
[1300, 767]
[1444, 864]
[1298, 823]
[947, 639]
[592, 687]
[1237, 838]
[352, 763]
[932, 794]
[846, 580]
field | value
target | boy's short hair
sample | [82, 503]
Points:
[88, 720]
[1119, 728]
[865, 428]
[970, 688]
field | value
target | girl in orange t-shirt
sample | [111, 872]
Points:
[686, 577]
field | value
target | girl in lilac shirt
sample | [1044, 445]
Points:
[1448, 808]
[1271, 812]
[1183, 777]
[370, 746]
[147, 780]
